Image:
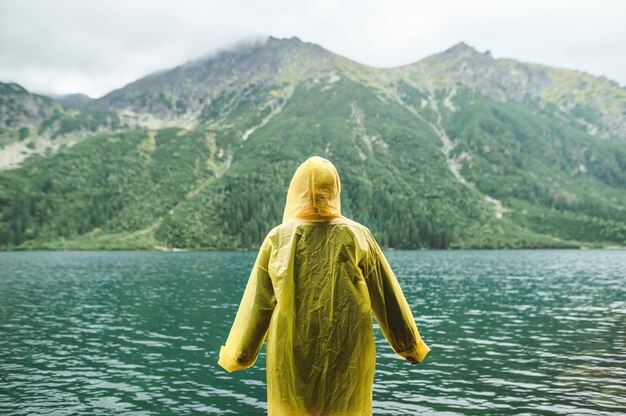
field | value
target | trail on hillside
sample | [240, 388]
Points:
[276, 106]
[455, 163]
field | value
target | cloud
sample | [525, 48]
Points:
[64, 46]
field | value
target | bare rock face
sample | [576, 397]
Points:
[19, 108]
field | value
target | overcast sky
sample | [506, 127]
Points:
[93, 47]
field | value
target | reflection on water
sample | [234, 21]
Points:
[511, 332]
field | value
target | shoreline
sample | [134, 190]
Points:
[208, 249]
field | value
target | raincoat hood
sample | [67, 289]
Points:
[314, 192]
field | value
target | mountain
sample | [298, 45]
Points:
[595, 103]
[72, 100]
[33, 125]
[19, 108]
[457, 150]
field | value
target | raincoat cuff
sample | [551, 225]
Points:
[228, 362]
[418, 352]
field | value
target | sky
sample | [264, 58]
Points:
[95, 46]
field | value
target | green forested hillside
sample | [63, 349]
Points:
[423, 164]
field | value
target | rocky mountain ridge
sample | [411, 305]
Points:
[456, 150]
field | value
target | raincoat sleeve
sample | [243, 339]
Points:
[389, 305]
[253, 317]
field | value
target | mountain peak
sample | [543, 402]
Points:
[461, 46]
[293, 39]
[463, 49]
[188, 87]
[76, 100]
[292, 44]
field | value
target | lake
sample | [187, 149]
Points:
[523, 332]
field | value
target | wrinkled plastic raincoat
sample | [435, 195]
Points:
[311, 293]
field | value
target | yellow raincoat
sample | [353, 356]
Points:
[314, 285]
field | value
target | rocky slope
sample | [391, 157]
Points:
[596, 103]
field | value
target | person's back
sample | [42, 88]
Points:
[316, 281]
[328, 346]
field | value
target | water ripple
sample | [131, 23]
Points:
[512, 332]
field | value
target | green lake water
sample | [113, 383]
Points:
[530, 332]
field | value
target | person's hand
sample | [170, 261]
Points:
[412, 360]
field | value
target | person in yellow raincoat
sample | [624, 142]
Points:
[316, 280]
